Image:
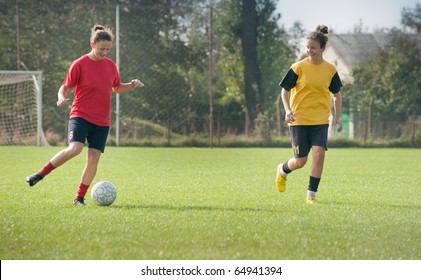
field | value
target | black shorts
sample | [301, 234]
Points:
[81, 130]
[303, 137]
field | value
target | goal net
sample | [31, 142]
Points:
[21, 108]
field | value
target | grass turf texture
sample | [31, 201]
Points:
[190, 203]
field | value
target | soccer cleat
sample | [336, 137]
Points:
[32, 180]
[311, 200]
[281, 181]
[79, 202]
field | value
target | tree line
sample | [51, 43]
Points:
[166, 43]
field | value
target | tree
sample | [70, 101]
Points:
[166, 44]
[155, 45]
[401, 77]
[412, 17]
[296, 34]
[248, 36]
[253, 54]
[390, 86]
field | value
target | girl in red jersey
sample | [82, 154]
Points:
[306, 99]
[95, 76]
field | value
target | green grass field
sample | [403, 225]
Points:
[200, 203]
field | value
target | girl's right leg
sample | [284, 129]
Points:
[301, 147]
[296, 163]
[285, 168]
[77, 131]
[74, 149]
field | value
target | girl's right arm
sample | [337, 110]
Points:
[289, 115]
[61, 95]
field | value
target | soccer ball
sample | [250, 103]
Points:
[103, 193]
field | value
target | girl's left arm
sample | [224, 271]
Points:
[125, 87]
[337, 106]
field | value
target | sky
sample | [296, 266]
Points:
[342, 16]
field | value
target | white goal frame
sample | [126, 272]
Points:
[37, 78]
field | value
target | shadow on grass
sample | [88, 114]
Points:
[192, 208]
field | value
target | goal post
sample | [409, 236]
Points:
[21, 108]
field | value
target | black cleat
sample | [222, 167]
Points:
[79, 202]
[32, 180]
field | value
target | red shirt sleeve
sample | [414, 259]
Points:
[73, 75]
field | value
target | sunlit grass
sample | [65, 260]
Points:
[187, 203]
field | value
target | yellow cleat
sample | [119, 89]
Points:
[281, 181]
[311, 200]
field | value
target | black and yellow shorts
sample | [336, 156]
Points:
[303, 137]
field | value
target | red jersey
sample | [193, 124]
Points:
[94, 81]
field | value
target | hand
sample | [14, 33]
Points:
[289, 117]
[63, 101]
[338, 123]
[136, 84]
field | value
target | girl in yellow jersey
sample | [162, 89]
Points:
[306, 98]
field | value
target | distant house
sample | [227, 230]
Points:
[347, 51]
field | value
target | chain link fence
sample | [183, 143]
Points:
[167, 47]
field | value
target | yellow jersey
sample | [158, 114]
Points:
[310, 86]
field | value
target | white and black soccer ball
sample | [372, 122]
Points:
[103, 193]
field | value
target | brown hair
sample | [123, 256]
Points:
[101, 33]
[319, 35]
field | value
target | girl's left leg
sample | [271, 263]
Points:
[318, 154]
[89, 172]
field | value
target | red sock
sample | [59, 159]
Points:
[82, 190]
[46, 169]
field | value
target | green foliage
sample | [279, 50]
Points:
[391, 85]
[411, 17]
[274, 55]
[168, 49]
[296, 34]
[213, 204]
[227, 26]
[157, 45]
[52, 35]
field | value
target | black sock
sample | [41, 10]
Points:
[313, 184]
[285, 168]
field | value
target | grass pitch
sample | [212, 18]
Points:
[190, 203]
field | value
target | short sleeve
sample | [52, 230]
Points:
[335, 84]
[289, 81]
[117, 79]
[73, 75]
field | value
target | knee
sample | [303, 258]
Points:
[74, 150]
[93, 156]
[299, 163]
[319, 154]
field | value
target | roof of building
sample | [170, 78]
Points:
[357, 49]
